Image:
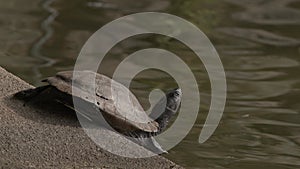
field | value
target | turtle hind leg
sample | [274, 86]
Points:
[30, 94]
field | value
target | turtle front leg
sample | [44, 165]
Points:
[148, 142]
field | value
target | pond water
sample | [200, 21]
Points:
[258, 42]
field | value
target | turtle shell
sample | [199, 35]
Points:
[118, 105]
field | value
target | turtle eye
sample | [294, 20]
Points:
[174, 94]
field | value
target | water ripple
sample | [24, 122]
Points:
[261, 36]
[274, 12]
[258, 62]
[48, 32]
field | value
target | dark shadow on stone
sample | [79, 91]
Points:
[42, 108]
[45, 104]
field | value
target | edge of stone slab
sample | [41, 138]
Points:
[10, 83]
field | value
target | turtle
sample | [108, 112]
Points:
[118, 105]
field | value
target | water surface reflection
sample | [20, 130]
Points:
[258, 41]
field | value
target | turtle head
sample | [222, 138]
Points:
[170, 104]
[173, 99]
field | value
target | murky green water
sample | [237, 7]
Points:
[258, 42]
